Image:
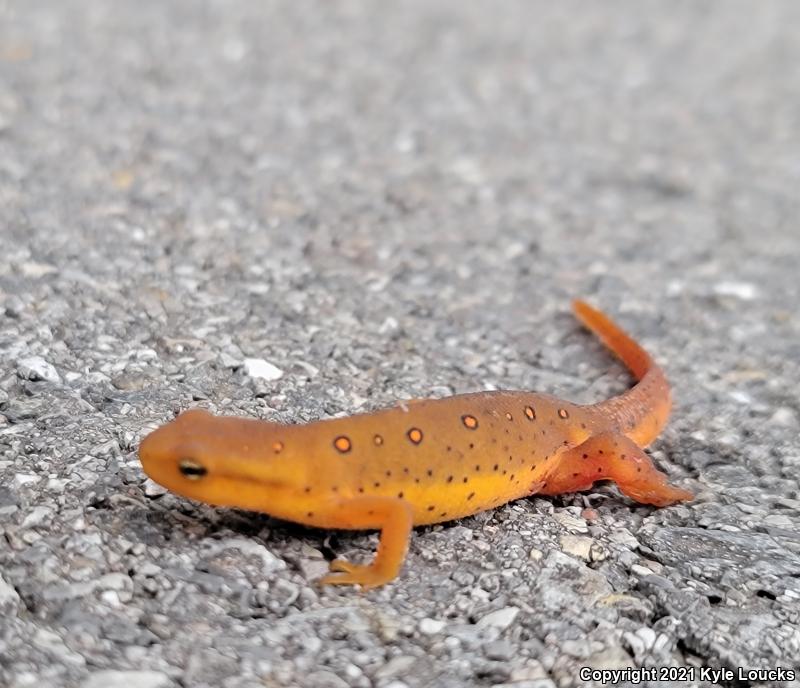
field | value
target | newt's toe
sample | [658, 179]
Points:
[345, 573]
[659, 495]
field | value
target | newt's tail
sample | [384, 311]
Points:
[641, 412]
[627, 350]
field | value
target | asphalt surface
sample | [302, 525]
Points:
[391, 201]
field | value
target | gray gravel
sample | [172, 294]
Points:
[297, 210]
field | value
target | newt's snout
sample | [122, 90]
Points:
[167, 454]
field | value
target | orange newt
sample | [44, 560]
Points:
[424, 461]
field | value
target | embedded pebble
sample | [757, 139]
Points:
[37, 516]
[640, 570]
[54, 644]
[577, 546]
[326, 679]
[741, 290]
[572, 523]
[153, 489]
[499, 650]
[313, 567]
[499, 619]
[785, 416]
[230, 361]
[37, 369]
[9, 599]
[269, 562]
[114, 581]
[397, 666]
[23, 479]
[261, 369]
[127, 679]
[431, 626]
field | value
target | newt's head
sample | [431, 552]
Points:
[223, 460]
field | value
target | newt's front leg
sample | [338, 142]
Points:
[613, 457]
[393, 516]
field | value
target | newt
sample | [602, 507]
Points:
[425, 461]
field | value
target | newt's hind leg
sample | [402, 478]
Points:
[394, 517]
[613, 457]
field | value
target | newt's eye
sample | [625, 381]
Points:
[192, 469]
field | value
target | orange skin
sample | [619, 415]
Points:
[424, 461]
